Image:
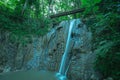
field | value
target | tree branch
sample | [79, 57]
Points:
[67, 13]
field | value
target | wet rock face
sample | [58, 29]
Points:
[81, 66]
[81, 56]
[13, 56]
[54, 48]
[45, 53]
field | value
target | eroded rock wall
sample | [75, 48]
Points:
[13, 56]
[81, 57]
[45, 52]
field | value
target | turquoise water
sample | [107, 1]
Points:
[28, 75]
[63, 66]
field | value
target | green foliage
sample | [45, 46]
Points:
[110, 6]
[107, 26]
[20, 26]
[108, 59]
[9, 4]
[106, 38]
[90, 6]
[107, 41]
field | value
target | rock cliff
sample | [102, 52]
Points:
[45, 52]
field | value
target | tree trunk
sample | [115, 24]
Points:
[24, 7]
[67, 13]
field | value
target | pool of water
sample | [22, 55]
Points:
[28, 75]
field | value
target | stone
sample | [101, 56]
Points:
[45, 52]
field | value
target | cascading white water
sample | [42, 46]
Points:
[63, 68]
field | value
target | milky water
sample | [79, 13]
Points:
[63, 69]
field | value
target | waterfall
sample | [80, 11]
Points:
[63, 66]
